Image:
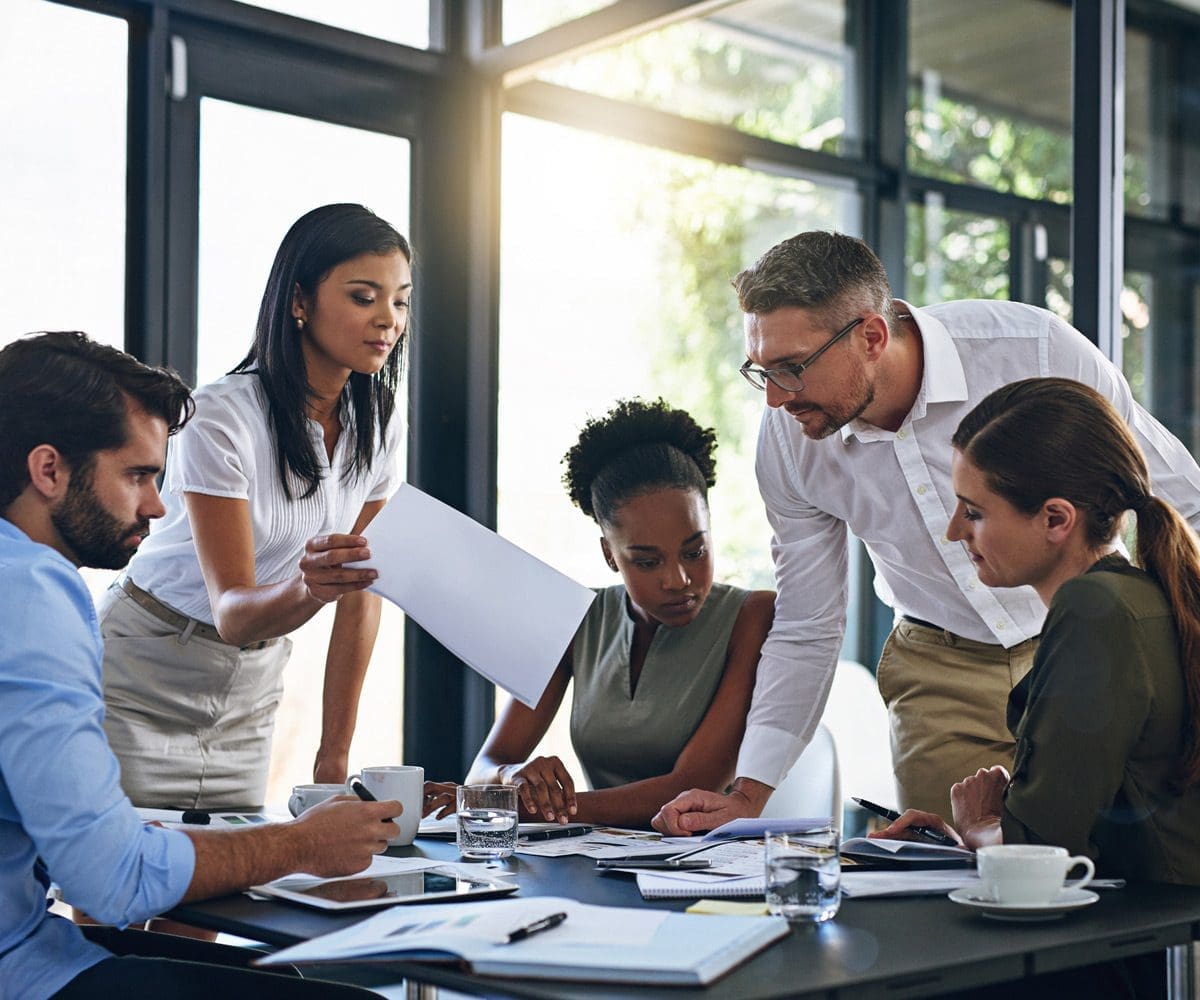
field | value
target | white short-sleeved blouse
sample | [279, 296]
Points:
[227, 450]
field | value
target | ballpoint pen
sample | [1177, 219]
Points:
[928, 832]
[521, 933]
[575, 830]
[359, 789]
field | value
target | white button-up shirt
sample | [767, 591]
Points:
[893, 491]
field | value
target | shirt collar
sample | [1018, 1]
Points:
[942, 378]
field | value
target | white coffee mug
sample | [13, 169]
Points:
[307, 796]
[406, 784]
[1029, 873]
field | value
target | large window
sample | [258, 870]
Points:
[991, 95]
[62, 171]
[780, 71]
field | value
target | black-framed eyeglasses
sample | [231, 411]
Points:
[790, 378]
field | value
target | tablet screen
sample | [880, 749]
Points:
[395, 887]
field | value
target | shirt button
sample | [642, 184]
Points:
[921, 490]
[970, 586]
[902, 434]
[945, 540]
[999, 626]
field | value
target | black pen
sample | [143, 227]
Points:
[521, 933]
[195, 816]
[359, 789]
[928, 832]
[575, 830]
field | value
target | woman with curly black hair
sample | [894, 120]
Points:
[664, 662]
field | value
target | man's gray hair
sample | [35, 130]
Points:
[834, 275]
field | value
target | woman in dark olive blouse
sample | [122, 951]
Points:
[1107, 760]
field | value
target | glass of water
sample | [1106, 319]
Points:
[804, 875]
[487, 821]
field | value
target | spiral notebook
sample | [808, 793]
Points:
[698, 886]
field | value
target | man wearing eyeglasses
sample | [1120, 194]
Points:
[863, 392]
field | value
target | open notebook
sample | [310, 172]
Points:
[592, 943]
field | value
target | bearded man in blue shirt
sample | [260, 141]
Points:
[83, 433]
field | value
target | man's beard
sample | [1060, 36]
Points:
[96, 538]
[836, 416]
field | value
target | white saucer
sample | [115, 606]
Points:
[977, 897]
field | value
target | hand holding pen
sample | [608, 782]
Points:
[921, 832]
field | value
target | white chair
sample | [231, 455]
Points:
[813, 786]
[858, 719]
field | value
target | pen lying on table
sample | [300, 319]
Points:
[521, 933]
[926, 832]
[572, 830]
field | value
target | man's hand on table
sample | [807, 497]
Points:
[698, 810]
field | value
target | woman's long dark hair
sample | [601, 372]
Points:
[1052, 437]
[317, 242]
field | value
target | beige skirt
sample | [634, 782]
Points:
[189, 718]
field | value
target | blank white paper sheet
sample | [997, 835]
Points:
[503, 612]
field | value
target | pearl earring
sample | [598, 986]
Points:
[299, 323]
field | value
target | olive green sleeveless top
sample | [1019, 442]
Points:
[620, 737]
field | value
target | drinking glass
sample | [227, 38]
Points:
[804, 874]
[487, 821]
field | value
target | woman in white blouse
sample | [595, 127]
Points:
[287, 460]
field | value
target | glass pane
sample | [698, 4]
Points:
[1147, 126]
[62, 170]
[955, 255]
[990, 99]
[779, 70]
[615, 269]
[1137, 335]
[246, 205]
[1058, 287]
[403, 21]
[530, 17]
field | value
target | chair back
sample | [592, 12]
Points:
[813, 787]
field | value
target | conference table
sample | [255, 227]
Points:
[893, 947]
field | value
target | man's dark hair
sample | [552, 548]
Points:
[835, 276]
[64, 389]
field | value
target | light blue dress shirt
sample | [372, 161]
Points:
[63, 815]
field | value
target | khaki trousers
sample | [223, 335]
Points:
[190, 719]
[947, 700]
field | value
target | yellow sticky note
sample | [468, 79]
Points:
[728, 907]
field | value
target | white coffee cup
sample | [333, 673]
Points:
[307, 796]
[1029, 873]
[406, 784]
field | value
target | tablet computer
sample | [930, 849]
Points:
[364, 892]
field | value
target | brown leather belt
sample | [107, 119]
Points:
[187, 627]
